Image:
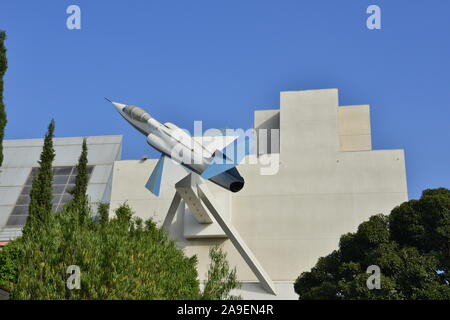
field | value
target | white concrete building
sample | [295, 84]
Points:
[21, 162]
[329, 181]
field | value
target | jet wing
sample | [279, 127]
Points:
[211, 143]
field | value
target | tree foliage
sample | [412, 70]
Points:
[103, 212]
[80, 200]
[9, 264]
[3, 67]
[220, 278]
[411, 246]
[41, 188]
[119, 258]
[123, 258]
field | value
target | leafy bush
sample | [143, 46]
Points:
[123, 258]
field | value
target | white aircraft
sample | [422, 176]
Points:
[218, 166]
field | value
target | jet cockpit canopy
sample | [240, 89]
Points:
[137, 113]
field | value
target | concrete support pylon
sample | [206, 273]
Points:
[194, 192]
[236, 239]
[187, 188]
[172, 211]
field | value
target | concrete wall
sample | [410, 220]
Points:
[267, 126]
[354, 128]
[290, 219]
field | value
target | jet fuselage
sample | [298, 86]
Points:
[178, 145]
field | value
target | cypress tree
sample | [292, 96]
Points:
[102, 212]
[80, 200]
[41, 188]
[3, 67]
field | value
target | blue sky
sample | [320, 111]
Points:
[217, 61]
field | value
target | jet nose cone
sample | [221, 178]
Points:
[119, 106]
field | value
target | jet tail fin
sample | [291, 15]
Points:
[165, 174]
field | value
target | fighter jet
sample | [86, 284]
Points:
[188, 154]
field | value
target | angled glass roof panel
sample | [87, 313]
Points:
[58, 188]
[60, 179]
[62, 170]
[63, 181]
[23, 199]
[20, 210]
[16, 220]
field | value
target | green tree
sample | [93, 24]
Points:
[102, 211]
[41, 189]
[9, 264]
[122, 258]
[3, 67]
[80, 200]
[425, 225]
[411, 247]
[220, 278]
